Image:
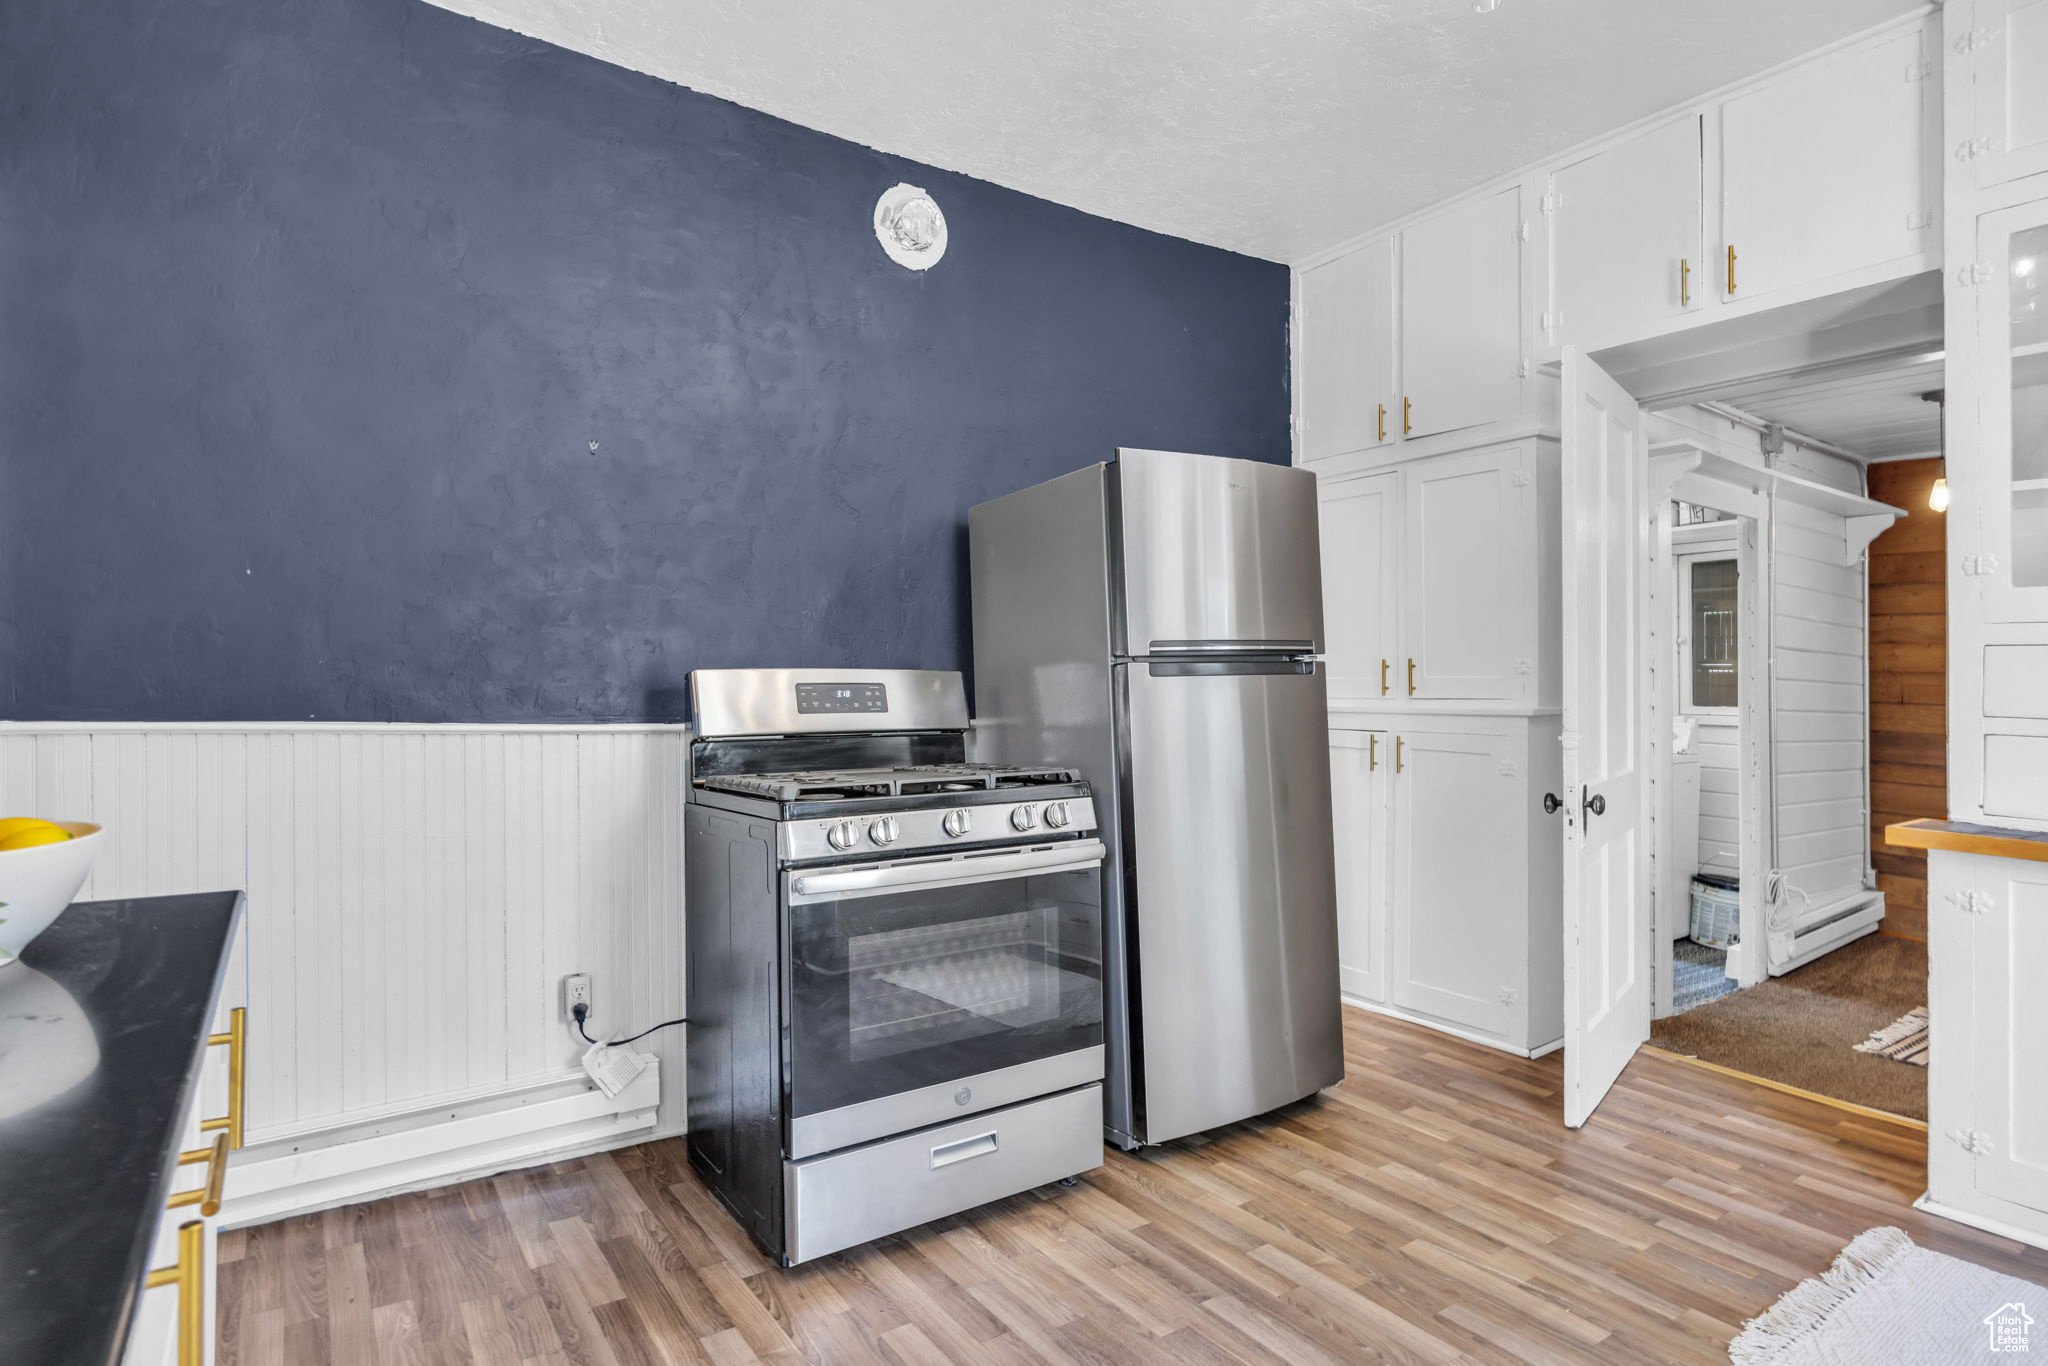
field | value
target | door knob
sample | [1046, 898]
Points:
[1597, 804]
[1551, 805]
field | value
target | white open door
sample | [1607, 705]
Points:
[1607, 550]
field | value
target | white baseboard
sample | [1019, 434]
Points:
[1455, 1031]
[2032, 1237]
[436, 1147]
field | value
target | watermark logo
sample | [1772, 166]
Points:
[2008, 1325]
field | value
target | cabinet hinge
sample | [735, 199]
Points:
[1552, 321]
[1976, 38]
[1919, 220]
[1975, 273]
[1976, 903]
[1980, 565]
[1920, 70]
[1969, 149]
[1973, 1141]
[1522, 231]
[1522, 368]
[1548, 204]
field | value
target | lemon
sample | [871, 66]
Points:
[29, 839]
[11, 826]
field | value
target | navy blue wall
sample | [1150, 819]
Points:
[310, 314]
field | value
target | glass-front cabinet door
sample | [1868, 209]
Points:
[2014, 412]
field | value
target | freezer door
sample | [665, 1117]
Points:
[1233, 889]
[1216, 553]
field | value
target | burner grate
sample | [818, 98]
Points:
[915, 780]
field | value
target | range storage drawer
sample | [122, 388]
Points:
[842, 1199]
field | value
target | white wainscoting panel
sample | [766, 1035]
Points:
[416, 893]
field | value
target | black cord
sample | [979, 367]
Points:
[582, 1013]
[683, 1019]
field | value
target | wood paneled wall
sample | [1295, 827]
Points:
[1908, 682]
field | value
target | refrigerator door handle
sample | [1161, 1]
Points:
[1219, 668]
[1233, 647]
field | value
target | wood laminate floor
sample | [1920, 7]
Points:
[1433, 1208]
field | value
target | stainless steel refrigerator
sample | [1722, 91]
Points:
[1154, 622]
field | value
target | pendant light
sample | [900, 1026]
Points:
[1937, 497]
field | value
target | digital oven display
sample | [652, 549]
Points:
[812, 698]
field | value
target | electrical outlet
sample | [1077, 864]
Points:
[575, 992]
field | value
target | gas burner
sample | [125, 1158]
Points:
[904, 781]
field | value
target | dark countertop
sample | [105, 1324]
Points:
[103, 1027]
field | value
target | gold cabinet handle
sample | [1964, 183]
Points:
[207, 1197]
[1383, 678]
[1372, 761]
[1731, 267]
[237, 1041]
[1397, 754]
[1405, 423]
[1383, 422]
[1411, 678]
[189, 1275]
[1684, 283]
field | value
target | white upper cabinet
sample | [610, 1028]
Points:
[1468, 520]
[1461, 316]
[1347, 341]
[1361, 539]
[1625, 237]
[1824, 171]
[2009, 63]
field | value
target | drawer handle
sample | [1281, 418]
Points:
[946, 1154]
[188, 1273]
[207, 1197]
[237, 1042]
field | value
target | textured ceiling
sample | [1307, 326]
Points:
[1273, 127]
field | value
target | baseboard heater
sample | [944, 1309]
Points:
[433, 1146]
[1824, 928]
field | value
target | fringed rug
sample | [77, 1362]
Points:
[1886, 1302]
[1903, 1040]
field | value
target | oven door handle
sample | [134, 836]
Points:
[1077, 856]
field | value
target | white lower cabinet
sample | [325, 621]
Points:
[1988, 1072]
[154, 1336]
[1358, 807]
[1449, 884]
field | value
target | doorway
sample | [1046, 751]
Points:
[1756, 723]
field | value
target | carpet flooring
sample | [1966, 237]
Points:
[1802, 1029]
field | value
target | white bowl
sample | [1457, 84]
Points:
[37, 884]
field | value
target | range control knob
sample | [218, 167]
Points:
[957, 823]
[1057, 815]
[1024, 817]
[842, 835]
[883, 831]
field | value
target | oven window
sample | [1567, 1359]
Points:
[910, 989]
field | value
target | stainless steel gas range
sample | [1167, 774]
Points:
[894, 956]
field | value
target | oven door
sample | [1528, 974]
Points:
[928, 989]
